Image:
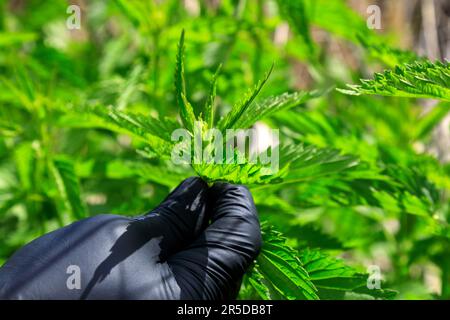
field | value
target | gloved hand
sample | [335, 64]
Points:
[173, 252]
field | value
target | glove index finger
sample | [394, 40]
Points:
[179, 219]
[186, 203]
[230, 200]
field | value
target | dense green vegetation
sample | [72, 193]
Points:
[86, 118]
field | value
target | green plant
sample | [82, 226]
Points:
[86, 127]
[417, 80]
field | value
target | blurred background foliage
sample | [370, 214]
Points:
[55, 168]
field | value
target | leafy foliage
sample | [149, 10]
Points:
[86, 123]
[416, 80]
[305, 162]
[333, 278]
[308, 162]
[153, 132]
[282, 273]
[272, 105]
[186, 111]
[68, 186]
[281, 270]
[241, 109]
[209, 104]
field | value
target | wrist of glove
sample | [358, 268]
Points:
[197, 244]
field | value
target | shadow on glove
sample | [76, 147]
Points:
[177, 221]
[170, 253]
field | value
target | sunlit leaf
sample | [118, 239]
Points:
[416, 80]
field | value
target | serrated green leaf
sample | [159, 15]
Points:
[421, 79]
[241, 109]
[309, 162]
[271, 105]
[279, 265]
[186, 110]
[331, 276]
[153, 132]
[208, 112]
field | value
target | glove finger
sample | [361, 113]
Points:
[213, 265]
[181, 217]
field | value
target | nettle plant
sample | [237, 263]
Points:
[218, 150]
[280, 272]
[72, 121]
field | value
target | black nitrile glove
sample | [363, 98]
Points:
[170, 253]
